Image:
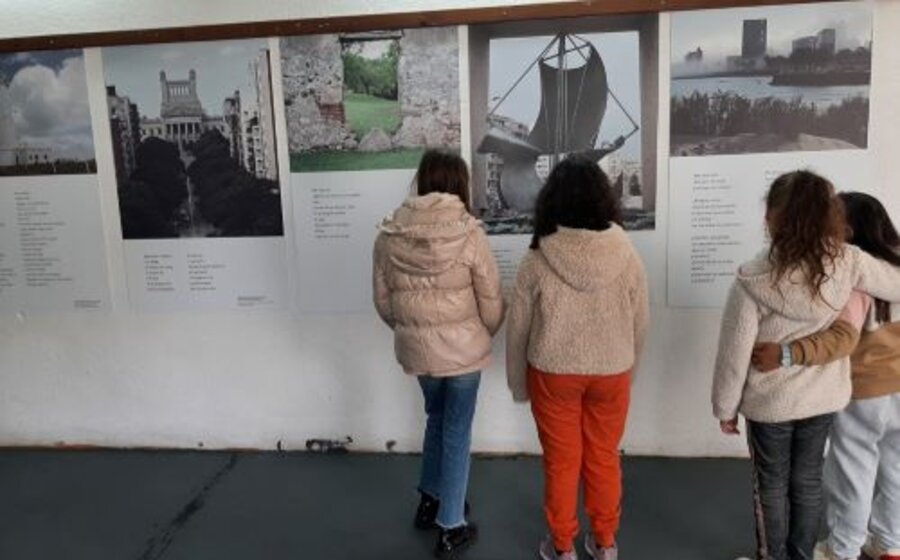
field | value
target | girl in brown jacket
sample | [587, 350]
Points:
[436, 284]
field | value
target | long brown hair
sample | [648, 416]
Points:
[873, 232]
[807, 227]
[445, 172]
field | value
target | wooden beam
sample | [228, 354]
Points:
[438, 18]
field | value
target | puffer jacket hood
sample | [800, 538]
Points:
[588, 260]
[429, 233]
[791, 297]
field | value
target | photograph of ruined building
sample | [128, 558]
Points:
[372, 100]
[45, 122]
[772, 79]
[544, 91]
[193, 133]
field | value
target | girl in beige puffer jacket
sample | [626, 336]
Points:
[436, 284]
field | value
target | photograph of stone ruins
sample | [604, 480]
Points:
[373, 100]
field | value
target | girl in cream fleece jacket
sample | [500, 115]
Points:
[796, 288]
[862, 470]
[576, 326]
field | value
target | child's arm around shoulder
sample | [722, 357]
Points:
[874, 276]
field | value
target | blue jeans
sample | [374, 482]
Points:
[787, 469]
[450, 405]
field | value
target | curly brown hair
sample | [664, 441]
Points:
[807, 226]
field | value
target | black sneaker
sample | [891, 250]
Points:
[451, 543]
[426, 514]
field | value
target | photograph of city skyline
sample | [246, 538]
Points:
[194, 139]
[771, 79]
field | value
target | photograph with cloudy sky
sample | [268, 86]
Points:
[45, 122]
[193, 134]
[603, 100]
[771, 79]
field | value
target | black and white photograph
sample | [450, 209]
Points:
[771, 79]
[45, 121]
[370, 100]
[551, 92]
[193, 133]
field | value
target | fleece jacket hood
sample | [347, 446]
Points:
[587, 260]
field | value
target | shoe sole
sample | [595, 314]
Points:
[456, 553]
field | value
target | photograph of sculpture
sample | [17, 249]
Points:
[45, 122]
[193, 135]
[553, 95]
[372, 100]
[771, 79]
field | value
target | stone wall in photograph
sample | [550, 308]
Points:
[313, 81]
[428, 88]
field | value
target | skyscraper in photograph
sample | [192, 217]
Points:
[266, 161]
[125, 129]
[754, 38]
[826, 41]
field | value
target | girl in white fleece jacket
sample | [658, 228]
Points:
[795, 288]
[577, 322]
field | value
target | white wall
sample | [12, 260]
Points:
[252, 379]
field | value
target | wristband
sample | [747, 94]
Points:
[787, 358]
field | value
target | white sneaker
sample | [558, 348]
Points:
[824, 552]
[599, 553]
[549, 553]
[872, 550]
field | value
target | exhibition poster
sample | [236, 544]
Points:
[756, 92]
[200, 198]
[361, 110]
[542, 91]
[52, 254]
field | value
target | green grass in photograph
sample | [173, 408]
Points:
[365, 112]
[356, 161]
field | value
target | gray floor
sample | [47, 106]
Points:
[223, 506]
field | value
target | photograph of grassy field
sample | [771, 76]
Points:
[373, 100]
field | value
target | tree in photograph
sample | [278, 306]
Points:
[375, 77]
[728, 114]
[619, 185]
[230, 198]
[634, 185]
[157, 187]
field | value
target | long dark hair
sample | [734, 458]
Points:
[872, 231]
[577, 194]
[807, 226]
[446, 172]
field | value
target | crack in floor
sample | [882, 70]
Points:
[158, 544]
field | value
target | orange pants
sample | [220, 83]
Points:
[580, 421]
